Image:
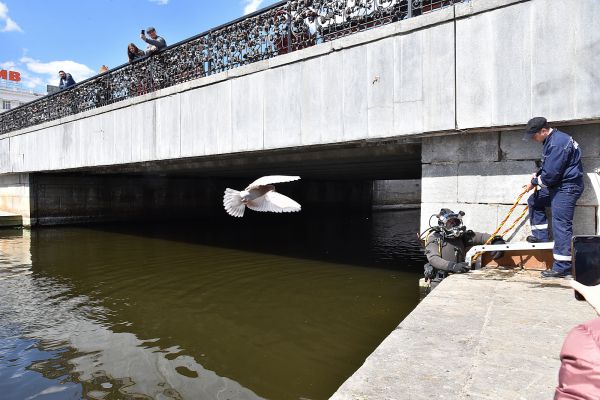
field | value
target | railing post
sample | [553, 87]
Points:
[289, 28]
[208, 53]
[409, 10]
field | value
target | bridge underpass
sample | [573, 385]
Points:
[339, 178]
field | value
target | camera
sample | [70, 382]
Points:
[586, 261]
[143, 32]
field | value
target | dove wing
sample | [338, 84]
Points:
[270, 179]
[274, 202]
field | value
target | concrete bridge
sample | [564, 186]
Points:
[439, 97]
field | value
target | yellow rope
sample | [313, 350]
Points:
[523, 213]
[515, 204]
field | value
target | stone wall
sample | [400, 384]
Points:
[483, 173]
[401, 192]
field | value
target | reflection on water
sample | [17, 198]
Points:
[255, 308]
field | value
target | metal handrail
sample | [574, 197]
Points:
[280, 28]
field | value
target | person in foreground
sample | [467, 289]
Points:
[579, 374]
[560, 180]
[446, 245]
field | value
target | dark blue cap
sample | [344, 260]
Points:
[534, 125]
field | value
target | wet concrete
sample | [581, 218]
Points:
[484, 335]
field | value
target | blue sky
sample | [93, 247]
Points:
[40, 37]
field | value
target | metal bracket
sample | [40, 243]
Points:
[518, 246]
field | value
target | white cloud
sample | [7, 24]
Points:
[160, 2]
[49, 71]
[251, 5]
[9, 24]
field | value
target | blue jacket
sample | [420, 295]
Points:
[65, 83]
[561, 161]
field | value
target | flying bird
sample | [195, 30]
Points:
[260, 195]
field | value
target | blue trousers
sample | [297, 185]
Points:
[562, 201]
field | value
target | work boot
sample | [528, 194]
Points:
[550, 273]
[533, 239]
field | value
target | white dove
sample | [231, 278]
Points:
[260, 195]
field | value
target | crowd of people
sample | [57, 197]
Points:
[154, 44]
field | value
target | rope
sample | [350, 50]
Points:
[508, 214]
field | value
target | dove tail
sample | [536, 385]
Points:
[232, 201]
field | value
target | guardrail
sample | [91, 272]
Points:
[283, 27]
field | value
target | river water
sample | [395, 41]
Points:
[268, 306]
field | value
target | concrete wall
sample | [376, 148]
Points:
[483, 173]
[510, 65]
[484, 63]
[72, 198]
[15, 195]
[396, 192]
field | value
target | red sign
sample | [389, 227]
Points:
[10, 75]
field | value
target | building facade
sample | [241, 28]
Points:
[12, 97]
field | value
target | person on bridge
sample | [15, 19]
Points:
[560, 180]
[66, 80]
[134, 53]
[446, 245]
[155, 43]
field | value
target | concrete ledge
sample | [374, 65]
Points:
[484, 335]
[8, 220]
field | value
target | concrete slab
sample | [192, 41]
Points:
[8, 220]
[465, 147]
[311, 111]
[439, 183]
[587, 136]
[484, 335]
[380, 92]
[354, 71]
[439, 94]
[478, 217]
[332, 85]
[496, 182]
[554, 60]
[587, 96]
[513, 147]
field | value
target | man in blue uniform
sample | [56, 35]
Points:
[560, 182]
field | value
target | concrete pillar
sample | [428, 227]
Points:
[15, 196]
[482, 175]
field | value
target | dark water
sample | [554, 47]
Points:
[276, 307]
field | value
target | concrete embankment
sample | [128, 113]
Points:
[483, 335]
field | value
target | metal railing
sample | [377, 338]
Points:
[283, 27]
